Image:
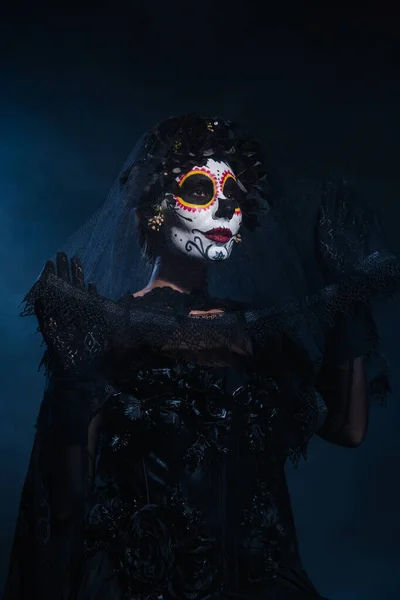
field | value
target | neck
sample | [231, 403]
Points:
[179, 272]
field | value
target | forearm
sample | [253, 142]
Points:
[344, 390]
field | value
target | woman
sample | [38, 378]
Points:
[158, 464]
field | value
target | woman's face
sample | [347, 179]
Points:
[203, 220]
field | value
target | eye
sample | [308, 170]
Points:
[197, 189]
[232, 191]
[199, 192]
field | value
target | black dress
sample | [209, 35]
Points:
[160, 474]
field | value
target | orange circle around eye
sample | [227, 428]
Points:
[225, 177]
[197, 206]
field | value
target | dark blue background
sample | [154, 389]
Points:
[320, 86]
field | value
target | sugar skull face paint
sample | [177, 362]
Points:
[203, 217]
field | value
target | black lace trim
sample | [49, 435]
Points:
[135, 324]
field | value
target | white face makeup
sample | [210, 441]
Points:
[203, 220]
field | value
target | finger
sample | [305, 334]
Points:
[349, 191]
[343, 189]
[62, 266]
[77, 272]
[326, 191]
[92, 289]
[48, 269]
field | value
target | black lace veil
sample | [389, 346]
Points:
[108, 243]
[305, 280]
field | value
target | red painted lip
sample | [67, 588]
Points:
[221, 235]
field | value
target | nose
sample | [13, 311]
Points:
[225, 210]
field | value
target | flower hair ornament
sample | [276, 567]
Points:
[177, 145]
[155, 222]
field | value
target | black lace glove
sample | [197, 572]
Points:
[78, 385]
[71, 347]
[344, 230]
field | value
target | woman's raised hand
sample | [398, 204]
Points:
[70, 271]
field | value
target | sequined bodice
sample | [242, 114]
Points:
[190, 479]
